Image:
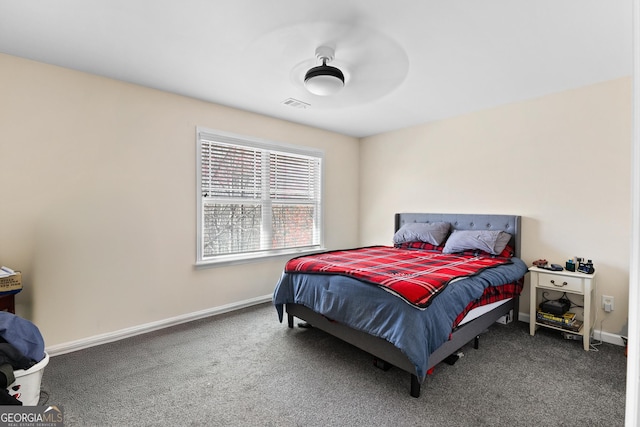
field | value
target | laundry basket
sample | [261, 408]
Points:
[26, 387]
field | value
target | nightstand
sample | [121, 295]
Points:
[571, 283]
[7, 303]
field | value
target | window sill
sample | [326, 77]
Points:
[236, 260]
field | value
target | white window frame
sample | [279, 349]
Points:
[204, 134]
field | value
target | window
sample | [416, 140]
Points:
[256, 198]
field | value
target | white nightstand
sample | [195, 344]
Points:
[571, 283]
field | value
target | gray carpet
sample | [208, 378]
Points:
[246, 369]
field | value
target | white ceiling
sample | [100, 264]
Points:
[406, 61]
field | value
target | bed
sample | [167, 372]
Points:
[413, 333]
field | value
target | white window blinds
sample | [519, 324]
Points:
[256, 198]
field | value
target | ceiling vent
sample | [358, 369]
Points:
[295, 103]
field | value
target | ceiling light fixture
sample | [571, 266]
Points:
[324, 80]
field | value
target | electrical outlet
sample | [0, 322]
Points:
[607, 303]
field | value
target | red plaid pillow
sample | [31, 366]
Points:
[420, 245]
[507, 252]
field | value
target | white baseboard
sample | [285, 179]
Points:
[154, 326]
[149, 327]
[597, 334]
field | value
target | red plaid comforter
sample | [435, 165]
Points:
[415, 276]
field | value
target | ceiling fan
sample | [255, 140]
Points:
[353, 64]
[324, 80]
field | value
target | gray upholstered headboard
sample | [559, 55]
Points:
[508, 223]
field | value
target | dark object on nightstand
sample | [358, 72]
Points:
[586, 267]
[557, 307]
[553, 267]
[570, 265]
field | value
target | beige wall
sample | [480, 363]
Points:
[98, 183]
[562, 162]
[99, 210]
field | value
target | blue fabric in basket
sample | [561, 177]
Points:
[23, 335]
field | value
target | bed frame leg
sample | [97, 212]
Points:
[476, 342]
[290, 320]
[415, 386]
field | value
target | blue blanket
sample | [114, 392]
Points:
[369, 308]
[23, 335]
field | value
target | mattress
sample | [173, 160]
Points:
[479, 311]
